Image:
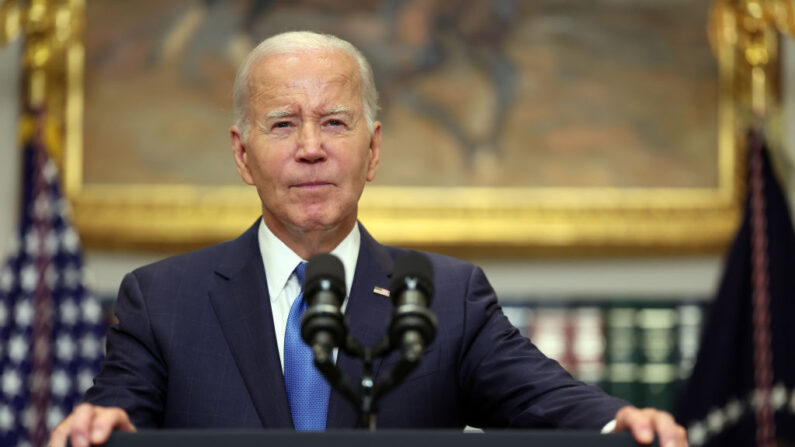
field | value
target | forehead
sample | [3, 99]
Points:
[311, 74]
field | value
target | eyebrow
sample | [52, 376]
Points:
[338, 109]
[332, 111]
[278, 114]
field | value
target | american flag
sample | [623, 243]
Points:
[742, 389]
[51, 331]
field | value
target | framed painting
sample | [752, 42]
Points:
[508, 127]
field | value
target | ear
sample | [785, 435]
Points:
[375, 151]
[240, 153]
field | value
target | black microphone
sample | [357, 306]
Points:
[413, 325]
[323, 325]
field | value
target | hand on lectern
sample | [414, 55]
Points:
[645, 423]
[89, 424]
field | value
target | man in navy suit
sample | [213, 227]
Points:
[201, 337]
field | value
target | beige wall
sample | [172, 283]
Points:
[789, 117]
[9, 153]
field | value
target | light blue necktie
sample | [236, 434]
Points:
[307, 390]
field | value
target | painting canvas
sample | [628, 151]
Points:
[475, 93]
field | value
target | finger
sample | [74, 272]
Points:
[669, 432]
[640, 423]
[60, 432]
[81, 424]
[107, 419]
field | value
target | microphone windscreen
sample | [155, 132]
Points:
[412, 266]
[326, 267]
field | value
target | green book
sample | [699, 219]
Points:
[659, 353]
[622, 352]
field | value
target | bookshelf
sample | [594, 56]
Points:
[637, 349]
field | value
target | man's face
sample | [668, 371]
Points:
[309, 150]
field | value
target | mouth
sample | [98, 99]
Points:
[315, 184]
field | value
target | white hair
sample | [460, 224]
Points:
[298, 42]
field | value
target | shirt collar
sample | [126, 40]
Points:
[279, 260]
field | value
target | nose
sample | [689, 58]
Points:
[310, 144]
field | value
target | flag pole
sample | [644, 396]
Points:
[54, 337]
[752, 27]
[50, 29]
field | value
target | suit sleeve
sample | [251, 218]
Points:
[508, 382]
[133, 376]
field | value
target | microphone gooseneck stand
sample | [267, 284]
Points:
[412, 326]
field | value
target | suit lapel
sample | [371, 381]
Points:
[242, 305]
[368, 314]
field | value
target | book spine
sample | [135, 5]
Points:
[690, 323]
[622, 353]
[550, 332]
[588, 344]
[657, 327]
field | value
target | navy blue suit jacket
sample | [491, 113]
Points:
[195, 347]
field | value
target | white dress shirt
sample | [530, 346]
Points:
[279, 262]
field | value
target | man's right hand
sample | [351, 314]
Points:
[89, 424]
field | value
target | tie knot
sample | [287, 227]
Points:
[300, 273]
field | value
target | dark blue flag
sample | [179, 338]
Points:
[740, 392]
[51, 332]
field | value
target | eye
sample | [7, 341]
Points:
[335, 122]
[281, 125]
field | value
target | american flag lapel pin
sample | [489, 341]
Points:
[381, 291]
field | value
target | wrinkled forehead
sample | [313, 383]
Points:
[312, 72]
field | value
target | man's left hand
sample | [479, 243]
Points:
[644, 423]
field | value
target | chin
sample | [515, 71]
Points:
[315, 222]
[322, 218]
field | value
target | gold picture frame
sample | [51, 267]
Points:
[479, 220]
